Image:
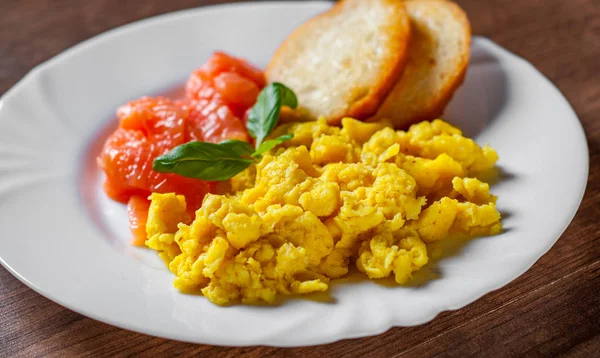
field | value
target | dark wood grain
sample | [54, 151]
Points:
[553, 309]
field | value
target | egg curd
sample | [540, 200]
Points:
[331, 197]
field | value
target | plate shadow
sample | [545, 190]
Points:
[481, 97]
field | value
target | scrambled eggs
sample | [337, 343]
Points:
[362, 194]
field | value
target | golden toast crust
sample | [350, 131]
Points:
[360, 102]
[431, 102]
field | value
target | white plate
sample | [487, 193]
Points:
[64, 239]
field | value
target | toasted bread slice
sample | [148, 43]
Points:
[344, 61]
[439, 53]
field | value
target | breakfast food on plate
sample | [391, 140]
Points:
[326, 199]
[244, 208]
[344, 61]
[439, 53]
[438, 50]
[217, 97]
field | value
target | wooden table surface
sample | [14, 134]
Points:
[552, 309]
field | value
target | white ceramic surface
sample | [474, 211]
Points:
[62, 237]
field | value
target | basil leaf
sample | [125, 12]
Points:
[243, 149]
[215, 162]
[205, 161]
[270, 144]
[265, 114]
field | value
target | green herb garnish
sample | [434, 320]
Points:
[265, 113]
[206, 161]
[270, 144]
[216, 162]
